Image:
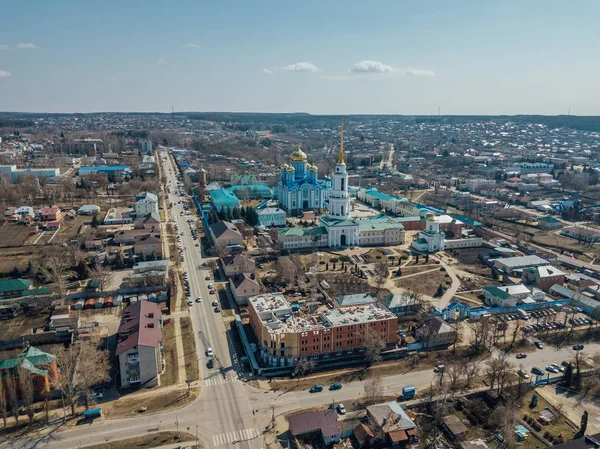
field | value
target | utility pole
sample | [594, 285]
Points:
[197, 445]
[273, 416]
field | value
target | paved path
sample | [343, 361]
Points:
[448, 294]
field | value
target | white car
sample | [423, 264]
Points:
[341, 409]
[209, 352]
[210, 286]
[190, 302]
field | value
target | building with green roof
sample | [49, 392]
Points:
[40, 365]
[13, 287]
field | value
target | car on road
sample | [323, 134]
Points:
[316, 389]
[552, 369]
[210, 363]
[215, 303]
[198, 299]
[190, 302]
[341, 409]
[439, 369]
[209, 352]
[335, 386]
[523, 374]
[578, 347]
[521, 355]
[539, 345]
[217, 309]
[537, 371]
[207, 278]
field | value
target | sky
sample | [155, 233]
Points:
[320, 57]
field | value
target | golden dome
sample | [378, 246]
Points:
[298, 155]
[290, 169]
[284, 167]
[311, 167]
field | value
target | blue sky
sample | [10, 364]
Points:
[333, 57]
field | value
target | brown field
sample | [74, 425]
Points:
[13, 235]
[17, 257]
[423, 284]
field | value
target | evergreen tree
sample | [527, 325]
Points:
[568, 376]
[440, 291]
[82, 270]
[95, 222]
[236, 213]
[221, 214]
[243, 212]
[583, 426]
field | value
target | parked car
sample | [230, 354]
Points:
[523, 374]
[521, 355]
[316, 389]
[215, 303]
[335, 386]
[578, 347]
[207, 278]
[341, 409]
[210, 286]
[439, 369]
[538, 372]
[217, 309]
[539, 345]
[552, 369]
[209, 352]
[564, 363]
[190, 302]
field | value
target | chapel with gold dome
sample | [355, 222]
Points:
[299, 188]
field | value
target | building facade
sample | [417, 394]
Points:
[146, 203]
[140, 345]
[271, 216]
[335, 332]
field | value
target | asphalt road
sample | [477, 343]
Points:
[230, 413]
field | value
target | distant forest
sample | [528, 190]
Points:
[258, 120]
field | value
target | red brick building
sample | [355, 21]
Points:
[333, 332]
[41, 366]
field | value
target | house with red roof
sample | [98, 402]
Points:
[140, 345]
[52, 213]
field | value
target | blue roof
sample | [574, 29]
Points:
[223, 196]
[257, 187]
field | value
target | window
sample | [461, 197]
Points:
[343, 183]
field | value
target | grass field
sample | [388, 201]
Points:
[189, 349]
[169, 377]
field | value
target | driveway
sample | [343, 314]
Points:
[573, 405]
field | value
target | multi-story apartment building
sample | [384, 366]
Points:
[327, 333]
[475, 185]
[140, 345]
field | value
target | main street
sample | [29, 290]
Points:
[229, 412]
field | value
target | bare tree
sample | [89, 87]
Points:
[67, 360]
[13, 396]
[93, 368]
[479, 336]
[373, 389]
[56, 269]
[472, 370]
[27, 388]
[102, 274]
[455, 371]
[287, 270]
[516, 329]
[499, 371]
[305, 365]
[373, 344]
[381, 274]
[458, 328]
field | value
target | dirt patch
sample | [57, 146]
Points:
[147, 441]
[14, 234]
[169, 377]
[425, 283]
[155, 401]
[189, 349]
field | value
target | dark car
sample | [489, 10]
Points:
[537, 371]
[539, 345]
[578, 347]
[521, 355]
[316, 389]
[335, 386]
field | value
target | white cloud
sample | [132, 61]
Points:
[194, 45]
[372, 67]
[301, 67]
[112, 79]
[267, 71]
[161, 61]
[3, 46]
[419, 72]
[4, 74]
[26, 45]
[377, 67]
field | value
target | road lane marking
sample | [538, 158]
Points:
[234, 436]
